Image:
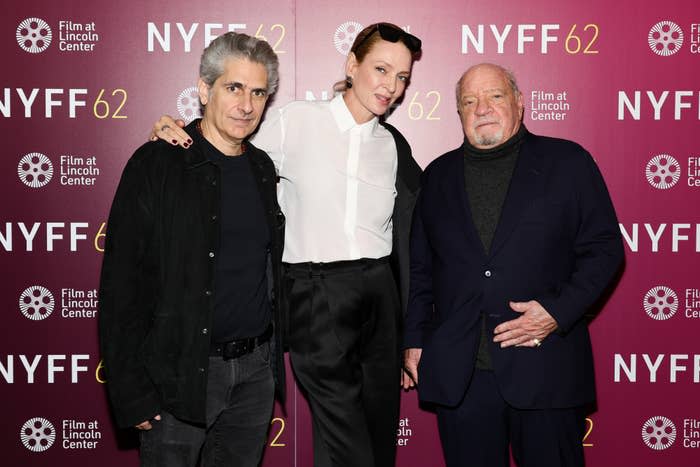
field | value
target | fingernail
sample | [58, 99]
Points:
[186, 145]
[174, 141]
[189, 141]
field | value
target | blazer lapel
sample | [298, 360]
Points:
[525, 186]
[457, 191]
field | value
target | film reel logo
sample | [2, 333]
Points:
[35, 170]
[34, 35]
[345, 35]
[37, 434]
[663, 171]
[665, 38]
[659, 433]
[36, 303]
[661, 303]
[188, 104]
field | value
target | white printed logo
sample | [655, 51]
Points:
[34, 35]
[663, 171]
[659, 433]
[660, 303]
[665, 38]
[345, 35]
[37, 434]
[188, 104]
[36, 303]
[35, 170]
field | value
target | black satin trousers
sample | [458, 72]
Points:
[344, 348]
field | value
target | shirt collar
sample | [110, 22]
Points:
[345, 120]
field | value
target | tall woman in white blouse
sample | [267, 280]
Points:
[347, 188]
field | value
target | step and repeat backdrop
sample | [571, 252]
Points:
[83, 82]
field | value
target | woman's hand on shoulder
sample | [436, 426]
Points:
[171, 131]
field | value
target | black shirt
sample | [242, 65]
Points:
[241, 304]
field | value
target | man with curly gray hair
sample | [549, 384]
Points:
[189, 331]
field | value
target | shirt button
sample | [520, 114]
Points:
[207, 293]
[205, 330]
[211, 254]
[487, 273]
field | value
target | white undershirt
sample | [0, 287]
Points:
[337, 184]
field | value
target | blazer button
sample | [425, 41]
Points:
[207, 293]
[487, 273]
[211, 254]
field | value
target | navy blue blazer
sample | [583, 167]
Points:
[557, 242]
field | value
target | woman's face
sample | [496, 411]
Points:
[378, 80]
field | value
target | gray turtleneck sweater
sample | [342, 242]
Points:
[487, 174]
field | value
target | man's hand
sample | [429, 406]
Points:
[529, 330]
[171, 131]
[145, 426]
[409, 374]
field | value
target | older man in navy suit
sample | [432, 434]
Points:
[514, 238]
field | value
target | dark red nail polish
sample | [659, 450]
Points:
[189, 141]
[186, 145]
[174, 141]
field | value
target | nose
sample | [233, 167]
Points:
[246, 104]
[482, 106]
[390, 83]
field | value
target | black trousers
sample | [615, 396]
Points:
[344, 349]
[477, 432]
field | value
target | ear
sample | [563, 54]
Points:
[351, 65]
[203, 90]
[521, 107]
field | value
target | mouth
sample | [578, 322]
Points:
[241, 121]
[482, 124]
[383, 99]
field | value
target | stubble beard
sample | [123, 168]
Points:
[489, 140]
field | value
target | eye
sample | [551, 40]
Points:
[404, 78]
[235, 88]
[380, 69]
[259, 93]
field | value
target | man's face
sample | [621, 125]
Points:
[236, 100]
[489, 109]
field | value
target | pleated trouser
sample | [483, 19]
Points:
[344, 348]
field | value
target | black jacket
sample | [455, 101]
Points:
[558, 242]
[156, 288]
[408, 176]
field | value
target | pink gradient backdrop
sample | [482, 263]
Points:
[303, 32]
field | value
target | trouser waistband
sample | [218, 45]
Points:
[239, 347]
[310, 269]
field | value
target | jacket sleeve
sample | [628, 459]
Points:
[420, 296]
[125, 305]
[597, 248]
